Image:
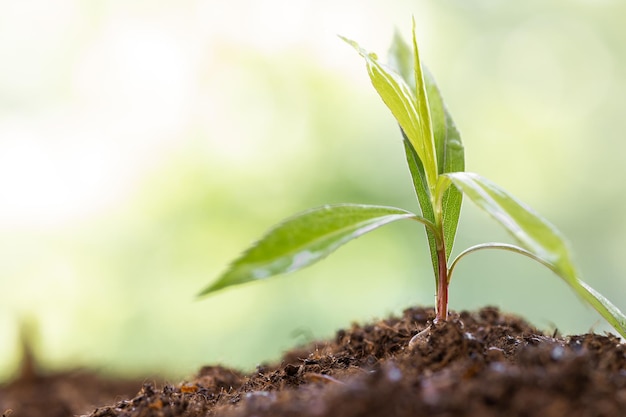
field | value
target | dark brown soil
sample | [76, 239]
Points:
[477, 364]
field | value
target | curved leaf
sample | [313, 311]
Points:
[447, 141]
[607, 310]
[539, 239]
[610, 312]
[531, 231]
[450, 157]
[304, 239]
[410, 112]
[449, 149]
[423, 110]
[400, 59]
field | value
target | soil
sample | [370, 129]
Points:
[482, 363]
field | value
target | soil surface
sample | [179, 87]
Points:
[480, 363]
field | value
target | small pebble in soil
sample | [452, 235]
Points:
[393, 373]
[557, 353]
[420, 339]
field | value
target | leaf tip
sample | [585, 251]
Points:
[349, 41]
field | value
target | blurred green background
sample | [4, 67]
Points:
[143, 144]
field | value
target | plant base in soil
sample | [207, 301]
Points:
[476, 364]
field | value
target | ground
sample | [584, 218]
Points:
[482, 363]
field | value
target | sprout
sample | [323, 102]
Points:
[436, 161]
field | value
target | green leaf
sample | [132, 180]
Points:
[448, 145]
[304, 239]
[531, 231]
[610, 312]
[400, 59]
[542, 241]
[410, 112]
[450, 157]
[423, 196]
[423, 111]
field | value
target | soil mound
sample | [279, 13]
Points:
[482, 363]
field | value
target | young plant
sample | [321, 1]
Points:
[435, 157]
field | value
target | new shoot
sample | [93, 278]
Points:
[435, 158]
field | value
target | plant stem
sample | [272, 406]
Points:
[442, 287]
[442, 259]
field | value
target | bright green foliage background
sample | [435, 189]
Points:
[143, 144]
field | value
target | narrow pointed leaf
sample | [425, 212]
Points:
[537, 236]
[530, 230]
[401, 100]
[423, 196]
[304, 239]
[448, 145]
[607, 310]
[423, 112]
[400, 59]
[450, 156]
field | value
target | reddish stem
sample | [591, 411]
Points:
[442, 289]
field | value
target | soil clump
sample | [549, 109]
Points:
[482, 363]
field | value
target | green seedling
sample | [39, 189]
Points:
[435, 157]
